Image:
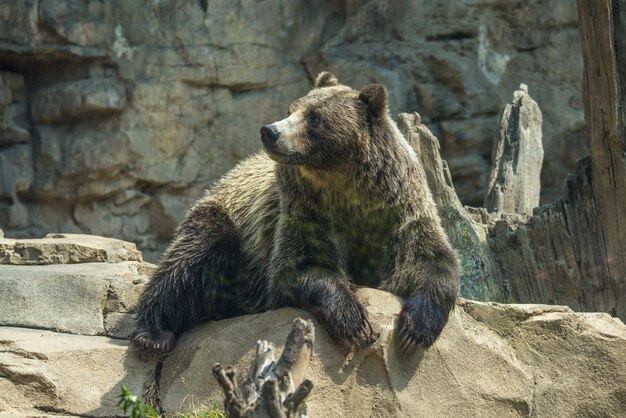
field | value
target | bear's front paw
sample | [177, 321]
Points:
[347, 323]
[160, 340]
[420, 322]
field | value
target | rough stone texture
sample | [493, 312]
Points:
[72, 101]
[491, 360]
[116, 115]
[73, 298]
[66, 249]
[43, 372]
[514, 184]
[14, 126]
[93, 295]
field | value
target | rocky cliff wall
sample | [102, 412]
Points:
[116, 115]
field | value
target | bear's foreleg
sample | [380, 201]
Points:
[426, 271]
[327, 295]
[309, 273]
[193, 280]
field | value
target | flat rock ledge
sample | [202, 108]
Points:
[64, 351]
[66, 249]
[78, 284]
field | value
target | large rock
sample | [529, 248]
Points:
[67, 249]
[74, 298]
[491, 360]
[14, 126]
[43, 373]
[71, 283]
[134, 108]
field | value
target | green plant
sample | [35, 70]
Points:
[204, 412]
[129, 401]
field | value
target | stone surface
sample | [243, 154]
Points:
[119, 325]
[14, 124]
[67, 249]
[514, 184]
[43, 372]
[72, 101]
[133, 109]
[16, 177]
[491, 360]
[89, 298]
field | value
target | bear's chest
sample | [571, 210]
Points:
[365, 235]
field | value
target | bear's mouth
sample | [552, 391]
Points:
[280, 157]
[274, 153]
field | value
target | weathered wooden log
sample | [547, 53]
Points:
[274, 389]
[514, 183]
[603, 37]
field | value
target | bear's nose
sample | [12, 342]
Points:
[269, 135]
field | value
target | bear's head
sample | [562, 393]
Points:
[326, 127]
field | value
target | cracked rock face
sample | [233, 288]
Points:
[64, 349]
[116, 115]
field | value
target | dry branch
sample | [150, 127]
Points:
[274, 389]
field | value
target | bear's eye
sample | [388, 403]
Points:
[314, 118]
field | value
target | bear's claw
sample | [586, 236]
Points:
[349, 324]
[420, 322]
[164, 341]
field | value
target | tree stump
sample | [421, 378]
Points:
[514, 183]
[603, 36]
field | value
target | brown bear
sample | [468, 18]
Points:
[338, 199]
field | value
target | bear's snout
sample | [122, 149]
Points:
[269, 135]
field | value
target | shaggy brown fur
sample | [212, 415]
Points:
[338, 198]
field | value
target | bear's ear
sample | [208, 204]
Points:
[375, 97]
[325, 79]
